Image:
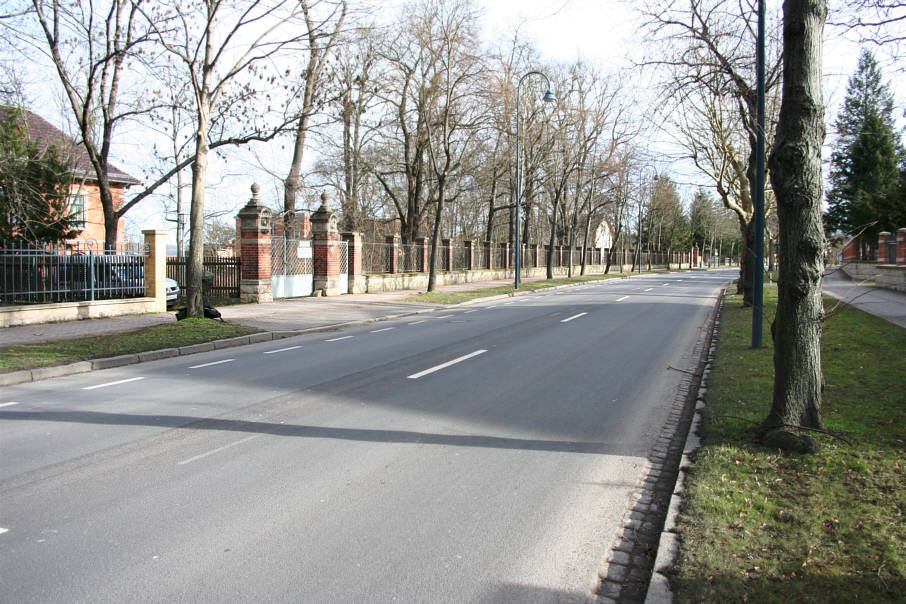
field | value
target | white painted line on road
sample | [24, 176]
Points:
[10, 404]
[468, 311]
[508, 303]
[568, 319]
[666, 284]
[554, 314]
[338, 339]
[445, 317]
[649, 289]
[135, 379]
[3, 530]
[417, 322]
[282, 350]
[415, 376]
[212, 364]
[380, 330]
[217, 450]
[621, 299]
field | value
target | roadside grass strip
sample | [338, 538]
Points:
[173, 335]
[761, 525]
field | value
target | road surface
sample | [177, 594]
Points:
[480, 454]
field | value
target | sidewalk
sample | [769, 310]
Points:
[884, 303]
[282, 315]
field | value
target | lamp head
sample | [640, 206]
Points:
[549, 97]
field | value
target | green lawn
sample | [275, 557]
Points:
[182, 333]
[761, 526]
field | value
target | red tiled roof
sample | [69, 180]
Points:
[46, 134]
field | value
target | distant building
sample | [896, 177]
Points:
[85, 196]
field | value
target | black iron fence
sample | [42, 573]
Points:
[223, 278]
[42, 273]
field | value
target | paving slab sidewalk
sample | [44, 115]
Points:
[885, 303]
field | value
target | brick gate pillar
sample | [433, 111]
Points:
[255, 251]
[883, 236]
[156, 268]
[901, 246]
[325, 243]
[357, 281]
[392, 247]
[470, 255]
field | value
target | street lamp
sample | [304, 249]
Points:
[547, 98]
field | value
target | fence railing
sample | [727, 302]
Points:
[38, 273]
[224, 283]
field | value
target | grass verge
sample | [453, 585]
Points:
[464, 296]
[60, 352]
[761, 526]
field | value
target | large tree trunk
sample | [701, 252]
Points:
[195, 264]
[795, 166]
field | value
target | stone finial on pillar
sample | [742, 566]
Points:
[255, 250]
[325, 241]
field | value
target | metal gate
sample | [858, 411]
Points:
[343, 282]
[292, 268]
[892, 250]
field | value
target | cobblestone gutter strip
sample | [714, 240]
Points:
[647, 545]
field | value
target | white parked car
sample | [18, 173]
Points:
[172, 292]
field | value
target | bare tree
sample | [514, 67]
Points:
[795, 166]
[321, 34]
[711, 55]
[219, 44]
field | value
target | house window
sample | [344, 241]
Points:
[77, 210]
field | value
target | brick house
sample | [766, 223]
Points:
[85, 197]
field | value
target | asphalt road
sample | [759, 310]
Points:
[482, 454]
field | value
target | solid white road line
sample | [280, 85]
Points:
[621, 299]
[217, 450]
[212, 364]
[568, 319]
[338, 339]
[415, 376]
[10, 404]
[282, 350]
[380, 330]
[135, 379]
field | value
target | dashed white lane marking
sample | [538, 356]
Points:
[665, 285]
[380, 330]
[468, 311]
[10, 404]
[135, 379]
[568, 319]
[621, 299]
[3, 530]
[417, 322]
[338, 339]
[649, 289]
[415, 376]
[508, 303]
[282, 350]
[212, 364]
[217, 450]
[444, 317]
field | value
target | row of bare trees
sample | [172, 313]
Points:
[412, 123]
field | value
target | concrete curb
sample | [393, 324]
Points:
[668, 547]
[33, 375]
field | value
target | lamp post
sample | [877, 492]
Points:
[547, 98]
